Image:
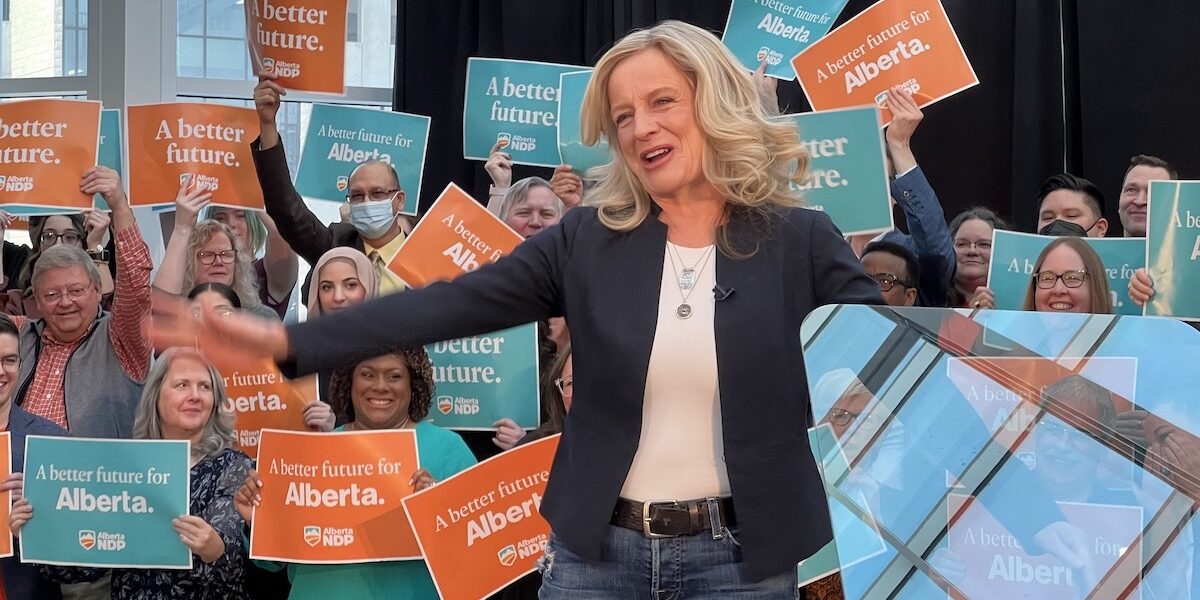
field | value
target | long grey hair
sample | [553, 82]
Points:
[218, 431]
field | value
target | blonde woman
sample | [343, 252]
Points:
[683, 469]
[207, 252]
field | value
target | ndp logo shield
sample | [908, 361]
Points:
[87, 539]
[445, 404]
[2, 180]
[343, 182]
[507, 555]
[312, 535]
[268, 64]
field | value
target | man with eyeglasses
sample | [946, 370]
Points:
[374, 198]
[895, 268]
[82, 367]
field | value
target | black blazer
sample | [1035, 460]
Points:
[607, 286]
[298, 226]
[22, 580]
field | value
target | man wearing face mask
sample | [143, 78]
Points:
[1070, 205]
[375, 225]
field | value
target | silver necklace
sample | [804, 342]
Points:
[687, 280]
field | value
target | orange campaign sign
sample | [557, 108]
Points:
[334, 498]
[301, 41]
[262, 398]
[456, 236]
[204, 144]
[480, 530]
[6, 540]
[894, 42]
[45, 148]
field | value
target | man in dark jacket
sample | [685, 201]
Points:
[20, 580]
[374, 195]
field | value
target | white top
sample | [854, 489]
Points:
[680, 454]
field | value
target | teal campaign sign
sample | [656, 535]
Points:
[777, 30]
[847, 169]
[485, 378]
[571, 150]
[106, 503]
[110, 147]
[514, 101]
[338, 138]
[1014, 254]
[1173, 249]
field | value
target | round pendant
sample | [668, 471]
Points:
[683, 311]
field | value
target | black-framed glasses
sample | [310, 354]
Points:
[207, 258]
[50, 238]
[375, 195]
[1048, 279]
[566, 387]
[887, 280]
[981, 245]
[842, 417]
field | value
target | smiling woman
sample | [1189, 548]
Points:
[1069, 276]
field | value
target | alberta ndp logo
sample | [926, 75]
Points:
[445, 404]
[312, 535]
[108, 542]
[343, 182]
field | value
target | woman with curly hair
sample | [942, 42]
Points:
[390, 391]
[207, 252]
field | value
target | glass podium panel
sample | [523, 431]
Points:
[997, 454]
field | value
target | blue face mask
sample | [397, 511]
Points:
[372, 218]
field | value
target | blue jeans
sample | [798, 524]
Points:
[636, 567]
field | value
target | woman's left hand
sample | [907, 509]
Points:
[96, 226]
[767, 88]
[420, 480]
[200, 537]
[318, 416]
[507, 434]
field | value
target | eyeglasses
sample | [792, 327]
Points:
[981, 245]
[50, 238]
[56, 296]
[1048, 279]
[375, 195]
[887, 280]
[1053, 426]
[565, 386]
[207, 258]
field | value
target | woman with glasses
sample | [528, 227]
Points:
[971, 232]
[207, 252]
[275, 265]
[1068, 276]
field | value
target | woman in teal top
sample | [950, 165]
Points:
[392, 391]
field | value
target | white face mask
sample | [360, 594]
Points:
[372, 218]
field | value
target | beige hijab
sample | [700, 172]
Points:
[366, 274]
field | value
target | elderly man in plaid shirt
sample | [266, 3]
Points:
[82, 367]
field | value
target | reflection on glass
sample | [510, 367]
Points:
[43, 38]
[1010, 455]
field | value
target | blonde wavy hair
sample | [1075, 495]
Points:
[748, 158]
[245, 283]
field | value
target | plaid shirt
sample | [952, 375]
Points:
[131, 307]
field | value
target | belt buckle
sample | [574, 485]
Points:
[646, 518]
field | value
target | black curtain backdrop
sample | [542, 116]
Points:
[1074, 85]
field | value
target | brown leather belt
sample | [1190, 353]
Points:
[673, 518]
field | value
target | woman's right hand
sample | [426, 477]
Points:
[318, 416]
[20, 514]
[984, 298]
[248, 496]
[1141, 288]
[189, 201]
[499, 166]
